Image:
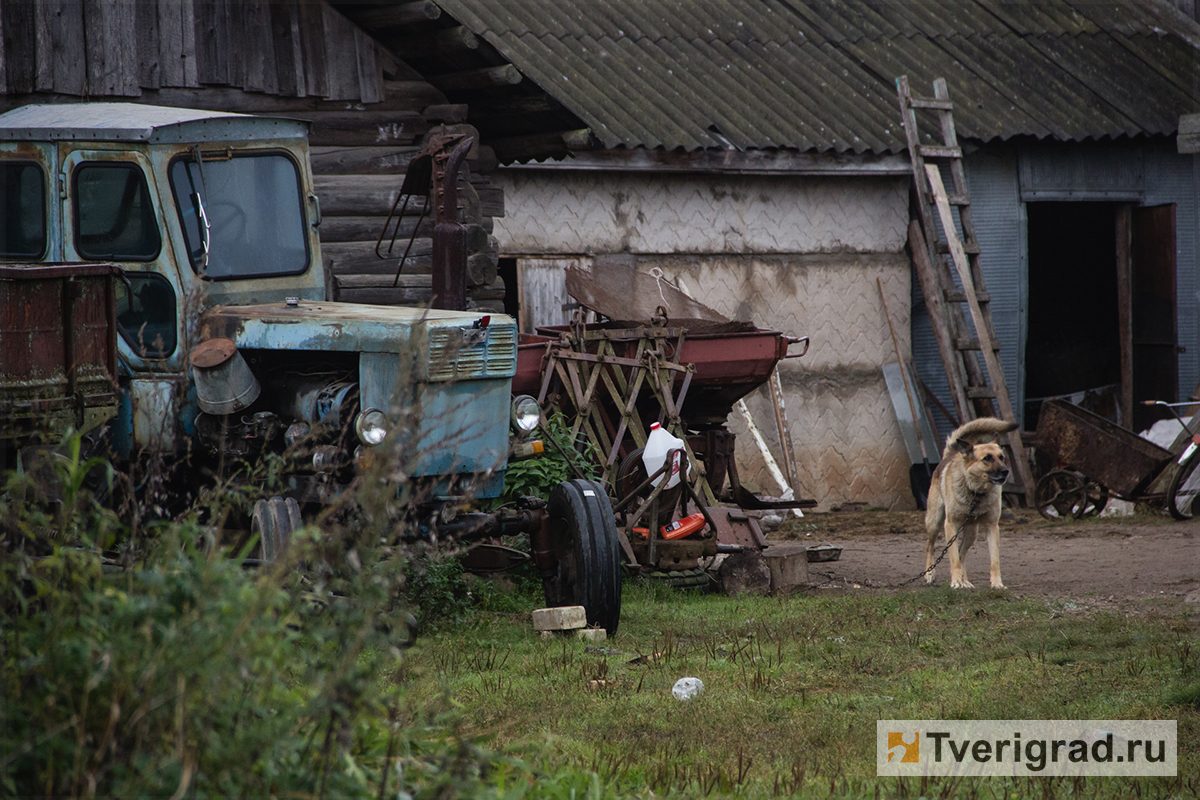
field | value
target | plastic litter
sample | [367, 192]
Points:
[687, 688]
[658, 443]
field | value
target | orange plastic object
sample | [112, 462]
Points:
[678, 529]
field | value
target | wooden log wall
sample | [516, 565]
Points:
[359, 173]
[298, 59]
[97, 48]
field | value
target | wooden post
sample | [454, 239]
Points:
[1125, 312]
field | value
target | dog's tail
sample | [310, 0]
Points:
[975, 432]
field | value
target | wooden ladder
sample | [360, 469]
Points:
[976, 393]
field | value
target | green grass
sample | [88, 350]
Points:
[794, 687]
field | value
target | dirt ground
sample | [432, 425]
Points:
[1140, 560]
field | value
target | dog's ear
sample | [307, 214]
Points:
[963, 446]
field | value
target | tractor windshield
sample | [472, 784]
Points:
[242, 215]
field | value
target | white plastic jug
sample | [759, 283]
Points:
[658, 443]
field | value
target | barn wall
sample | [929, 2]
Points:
[797, 254]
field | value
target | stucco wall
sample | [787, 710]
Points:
[796, 254]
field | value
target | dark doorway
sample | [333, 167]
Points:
[1152, 305]
[512, 293]
[1074, 342]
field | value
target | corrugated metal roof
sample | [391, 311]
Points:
[820, 74]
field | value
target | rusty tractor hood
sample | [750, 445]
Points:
[450, 344]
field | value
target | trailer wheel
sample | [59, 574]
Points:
[587, 553]
[275, 521]
[1181, 500]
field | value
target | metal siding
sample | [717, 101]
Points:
[999, 226]
[1173, 178]
[996, 211]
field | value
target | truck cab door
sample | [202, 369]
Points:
[111, 214]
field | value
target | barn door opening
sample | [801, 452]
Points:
[1073, 343]
[1153, 323]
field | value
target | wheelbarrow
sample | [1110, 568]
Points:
[1102, 459]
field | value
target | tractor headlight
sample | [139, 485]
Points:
[371, 426]
[526, 414]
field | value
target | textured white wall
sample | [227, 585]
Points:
[796, 254]
[606, 212]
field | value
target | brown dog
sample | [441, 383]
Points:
[964, 497]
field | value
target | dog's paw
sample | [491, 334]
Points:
[962, 584]
[929, 577]
[998, 585]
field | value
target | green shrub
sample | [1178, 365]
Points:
[173, 670]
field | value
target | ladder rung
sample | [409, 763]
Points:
[939, 151]
[931, 102]
[958, 199]
[970, 248]
[966, 343]
[959, 296]
[980, 392]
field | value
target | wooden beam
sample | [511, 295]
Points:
[398, 15]
[490, 77]
[543, 145]
[449, 40]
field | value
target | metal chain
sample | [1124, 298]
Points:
[920, 574]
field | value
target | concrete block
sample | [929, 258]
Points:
[591, 634]
[563, 618]
[788, 565]
[745, 573]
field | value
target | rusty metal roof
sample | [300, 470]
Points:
[820, 74]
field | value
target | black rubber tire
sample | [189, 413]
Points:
[587, 553]
[1181, 499]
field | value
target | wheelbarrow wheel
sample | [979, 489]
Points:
[1061, 494]
[1185, 486]
[587, 553]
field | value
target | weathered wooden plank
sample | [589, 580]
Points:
[149, 70]
[491, 201]
[110, 52]
[60, 30]
[212, 41]
[359, 195]
[359, 128]
[289, 58]
[370, 75]
[222, 98]
[20, 49]
[176, 42]
[342, 65]
[312, 36]
[392, 160]
[262, 73]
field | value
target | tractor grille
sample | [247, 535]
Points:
[454, 355]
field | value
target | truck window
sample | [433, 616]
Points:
[114, 216]
[146, 314]
[255, 214]
[22, 210]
